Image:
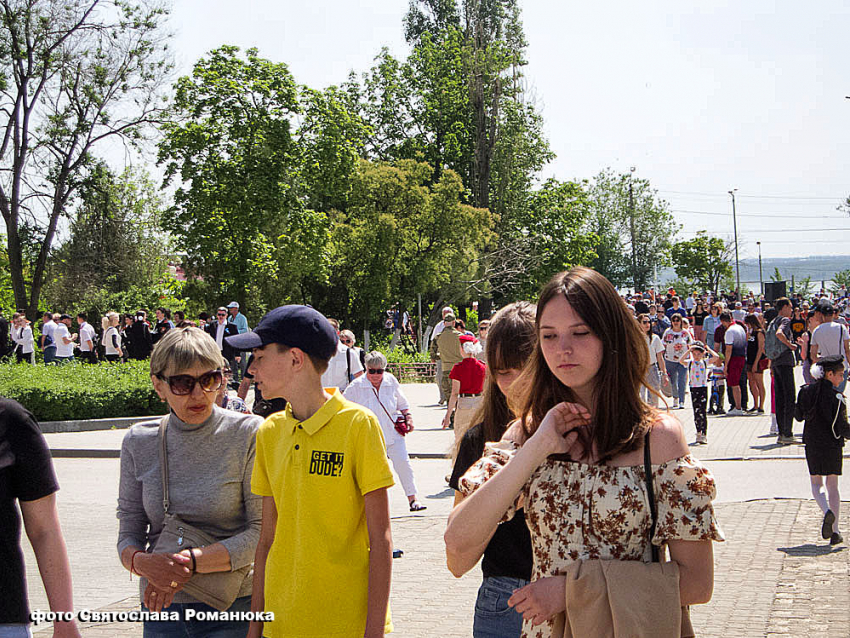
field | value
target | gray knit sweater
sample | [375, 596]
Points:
[209, 485]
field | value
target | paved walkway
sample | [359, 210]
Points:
[773, 576]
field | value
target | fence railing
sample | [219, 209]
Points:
[414, 372]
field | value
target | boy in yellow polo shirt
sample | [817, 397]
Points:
[324, 559]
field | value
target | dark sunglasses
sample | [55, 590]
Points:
[345, 340]
[183, 384]
[378, 371]
[222, 314]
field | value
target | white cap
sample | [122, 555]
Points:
[233, 304]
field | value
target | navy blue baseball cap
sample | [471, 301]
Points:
[295, 326]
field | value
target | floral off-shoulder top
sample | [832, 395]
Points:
[576, 511]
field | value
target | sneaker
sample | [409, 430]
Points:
[720, 413]
[735, 412]
[751, 411]
[675, 405]
[701, 439]
[760, 411]
[826, 527]
[786, 440]
[836, 538]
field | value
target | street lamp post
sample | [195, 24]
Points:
[761, 278]
[735, 228]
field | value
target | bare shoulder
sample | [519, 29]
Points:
[667, 439]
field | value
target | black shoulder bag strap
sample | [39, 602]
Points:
[348, 363]
[653, 510]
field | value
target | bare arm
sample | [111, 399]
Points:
[258, 594]
[41, 521]
[473, 522]
[380, 561]
[814, 349]
[696, 570]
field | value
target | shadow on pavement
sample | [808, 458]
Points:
[446, 493]
[773, 446]
[810, 549]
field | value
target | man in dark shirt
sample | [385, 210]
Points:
[783, 373]
[27, 478]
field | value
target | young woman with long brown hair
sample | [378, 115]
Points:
[575, 459]
[507, 559]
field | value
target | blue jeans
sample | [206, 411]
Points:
[49, 354]
[678, 378]
[493, 617]
[15, 631]
[196, 628]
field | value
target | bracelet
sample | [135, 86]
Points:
[133, 558]
[194, 563]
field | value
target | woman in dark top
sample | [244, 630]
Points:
[697, 317]
[507, 557]
[756, 362]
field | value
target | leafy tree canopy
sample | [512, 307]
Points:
[703, 261]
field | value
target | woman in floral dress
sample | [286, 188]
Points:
[574, 460]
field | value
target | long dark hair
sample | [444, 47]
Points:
[510, 342]
[620, 418]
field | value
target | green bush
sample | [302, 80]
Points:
[75, 391]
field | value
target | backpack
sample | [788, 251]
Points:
[773, 348]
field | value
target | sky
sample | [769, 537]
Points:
[701, 98]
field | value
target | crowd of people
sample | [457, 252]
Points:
[563, 464]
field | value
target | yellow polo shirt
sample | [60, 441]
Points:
[318, 471]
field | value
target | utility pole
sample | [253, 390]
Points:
[761, 277]
[735, 228]
[634, 242]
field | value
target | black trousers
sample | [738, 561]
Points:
[783, 387]
[89, 356]
[699, 399]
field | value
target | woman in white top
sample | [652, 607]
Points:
[381, 392]
[676, 340]
[22, 336]
[657, 370]
[111, 337]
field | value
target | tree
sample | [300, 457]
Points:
[841, 278]
[776, 275]
[703, 261]
[550, 237]
[399, 235]
[258, 161]
[114, 242]
[459, 101]
[635, 229]
[73, 73]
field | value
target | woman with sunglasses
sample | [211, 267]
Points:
[210, 453]
[381, 392]
[676, 342]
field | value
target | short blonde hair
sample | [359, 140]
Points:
[182, 348]
[348, 335]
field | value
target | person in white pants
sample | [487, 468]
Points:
[381, 392]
